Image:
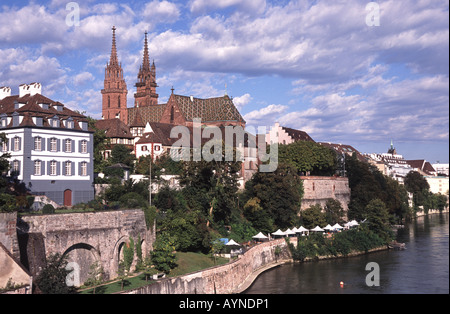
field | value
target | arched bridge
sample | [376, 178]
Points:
[85, 238]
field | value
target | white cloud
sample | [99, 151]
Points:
[265, 116]
[83, 78]
[241, 101]
[161, 12]
[249, 6]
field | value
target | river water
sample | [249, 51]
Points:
[422, 268]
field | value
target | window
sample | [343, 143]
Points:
[16, 144]
[55, 122]
[69, 124]
[68, 146]
[38, 143]
[53, 145]
[157, 148]
[84, 168]
[144, 148]
[37, 167]
[53, 165]
[16, 167]
[68, 168]
[83, 147]
[4, 147]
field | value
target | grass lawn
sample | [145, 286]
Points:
[187, 263]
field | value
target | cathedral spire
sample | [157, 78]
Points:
[113, 59]
[146, 84]
[146, 61]
[114, 93]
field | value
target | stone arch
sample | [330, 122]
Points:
[117, 254]
[84, 255]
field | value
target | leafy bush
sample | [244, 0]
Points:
[48, 209]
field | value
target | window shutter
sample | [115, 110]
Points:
[58, 145]
[72, 172]
[58, 168]
[73, 146]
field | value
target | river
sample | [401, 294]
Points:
[422, 268]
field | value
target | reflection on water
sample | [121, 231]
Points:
[422, 268]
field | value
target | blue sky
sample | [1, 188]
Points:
[311, 65]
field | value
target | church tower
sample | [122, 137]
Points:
[146, 85]
[114, 94]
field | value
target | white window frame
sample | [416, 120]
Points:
[53, 168]
[38, 143]
[84, 168]
[68, 145]
[37, 167]
[17, 144]
[83, 147]
[53, 144]
[68, 168]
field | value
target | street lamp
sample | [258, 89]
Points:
[150, 182]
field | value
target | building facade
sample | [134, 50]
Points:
[50, 146]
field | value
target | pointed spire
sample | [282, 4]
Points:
[113, 60]
[146, 61]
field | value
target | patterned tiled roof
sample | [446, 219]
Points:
[151, 113]
[208, 110]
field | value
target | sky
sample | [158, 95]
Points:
[353, 72]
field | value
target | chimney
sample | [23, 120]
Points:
[35, 88]
[5, 92]
[32, 89]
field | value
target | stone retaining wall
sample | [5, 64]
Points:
[223, 279]
[317, 190]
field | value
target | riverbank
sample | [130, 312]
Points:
[420, 269]
[223, 279]
[251, 279]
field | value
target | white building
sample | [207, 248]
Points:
[441, 169]
[51, 146]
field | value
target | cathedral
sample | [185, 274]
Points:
[179, 110]
[145, 127]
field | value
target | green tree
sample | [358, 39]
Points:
[163, 256]
[258, 216]
[128, 254]
[122, 154]
[211, 186]
[333, 211]
[100, 143]
[52, 278]
[309, 157]
[313, 216]
[95, 275]
[280, 193]
[416, 184]
[378, 219]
